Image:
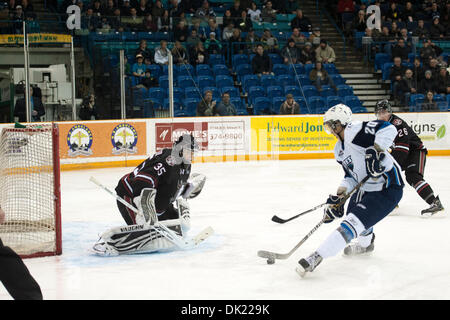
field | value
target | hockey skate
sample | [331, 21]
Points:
[356, 249]
[435, 207]
[308, 264]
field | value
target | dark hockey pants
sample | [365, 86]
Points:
[414, 173]
[15, 276]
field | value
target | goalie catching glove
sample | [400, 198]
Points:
[373, 162]
[334, 209]
[194, 186]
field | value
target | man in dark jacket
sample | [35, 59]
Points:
[396, 73]
[401, 50]
[406, 86]
[37, 108]
[301, 22]
[261, 63]
[428, 83]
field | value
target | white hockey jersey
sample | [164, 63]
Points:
[358, 136]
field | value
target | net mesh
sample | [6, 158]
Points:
[27, 190]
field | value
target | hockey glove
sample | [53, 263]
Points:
[332, 210]
[373, 162]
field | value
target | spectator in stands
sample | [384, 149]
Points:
[88, 110]
[395, 30]
[149, 81]
[246, 4]
[396, 74]
[405, 36]
[236, 10]
[227, 18]
[419, 71]
[164, 22]
[269, 14]
[409, 13]
[421, 31]
[445, 17]
[251, 38]
[192, 5]
[434, 12]
[443, 80]
[429, 104]
[12, 5]
[261, 62]
[143, 8]
[205, 11]
[291, 6]
[162, 53]
[406, 86]
[206, 107]
[401, 50]
[386, 39]
[319, 77]
[244, 23]
[181, 32]
[227, 32]
[193, 38]
[437, 30]
[199, 55]
[37, 108]
[115, 21]
[394, 13]
[290, 53]
[290, 106]
[314, 37]
[138, 68]
[325, 53]
[225, 107]
[157, 9]
[213, 27]
[254, 12]
[109, 9]
[429, 51]
[359, 22]
[143, 50]
[236, 43]
[301, 22]
[307, 54]
[4, 17]
[97, 8]
[270, 43]
[27, 7]
[212, 45]
[201, 31]
[89, 20]
[149, 24]
[126, 8]
[176, 11]
[298, 37]
[345, 7]
[179, 54]
[134, 23]
[434, 68]
[427, 83]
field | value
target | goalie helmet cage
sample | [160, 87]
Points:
[30, 190]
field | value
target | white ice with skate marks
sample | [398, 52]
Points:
[411, 258]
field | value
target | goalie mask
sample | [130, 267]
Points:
[339, 114]
[184, 148]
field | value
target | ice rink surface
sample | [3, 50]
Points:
[411, 258]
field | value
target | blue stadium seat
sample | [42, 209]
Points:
[275, 91]
[416, 101]
[238, 59]
[316, 104]
[239, 105]
[326, 91]
[165, 71]
[163, 81]
[203, 70]
[224, 81]
[285, 80]
[352, 102]
[296, 69]
[181, 113]
[360, 110]
[386, 71]
[185, 82]
[233, 91]
[309, 91]
[215, 59]
[380, 60]
[190, 105]
[205, 81]
[333, 100]
[279, 69]
[255, 92]
[139, 94]
[330, 68]
[250, 80]
[294, 90]
[308, 68]
[220, 70]
[185, 70]
[343, 90]
[262, 105]
[176, 104]
[155, 70]
[303, 105]
[337, 79]
[276, 103]
[268, 80]
[242, 70]
[178, 93]
[192, 93]
[276, 58]
[156, 94]
[303, 79]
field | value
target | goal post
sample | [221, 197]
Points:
[30, 190]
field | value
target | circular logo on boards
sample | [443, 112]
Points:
[124, 138]
[79, 140]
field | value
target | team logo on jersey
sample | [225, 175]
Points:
[397, 122]
[79, 140]
[349, 166]
[124, 139]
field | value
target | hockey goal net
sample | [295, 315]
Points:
[30, 190]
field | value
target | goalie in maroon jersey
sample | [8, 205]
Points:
[158, 189]
[410, 153]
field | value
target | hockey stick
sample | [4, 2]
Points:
[165, 232]
[271, 256]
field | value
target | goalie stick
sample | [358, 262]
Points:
[162, 230]
[271, 256]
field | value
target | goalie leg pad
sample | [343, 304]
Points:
[146, 206]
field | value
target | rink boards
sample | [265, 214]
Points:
[116, 143]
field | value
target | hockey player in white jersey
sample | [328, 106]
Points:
[361, 149]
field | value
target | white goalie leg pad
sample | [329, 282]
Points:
[184, 212]
[146, 207]
[132, 239]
